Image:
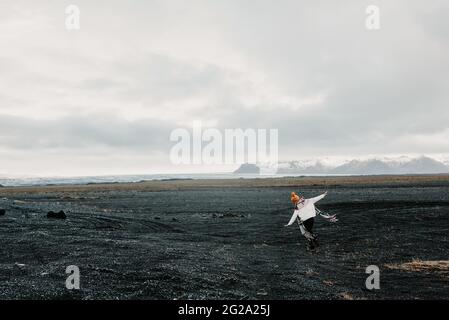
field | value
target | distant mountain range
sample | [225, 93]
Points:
[400, 165]
[248, 168]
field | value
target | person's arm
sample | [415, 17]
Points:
[293, 218]
[316, 199]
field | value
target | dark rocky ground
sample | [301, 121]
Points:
[227, 243]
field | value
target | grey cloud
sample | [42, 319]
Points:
[78, 132]
[162, 78]
[381, 89]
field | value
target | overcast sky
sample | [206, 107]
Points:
[104, 99]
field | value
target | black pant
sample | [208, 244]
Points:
[308, 224]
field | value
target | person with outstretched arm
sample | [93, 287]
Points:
[305, 213]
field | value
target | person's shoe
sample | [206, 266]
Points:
[311, 244]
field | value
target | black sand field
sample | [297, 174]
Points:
[182, 241]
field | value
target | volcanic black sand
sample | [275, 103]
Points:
[226, 239]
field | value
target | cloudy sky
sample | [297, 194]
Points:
[104, 99]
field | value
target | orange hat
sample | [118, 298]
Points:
[294, 197]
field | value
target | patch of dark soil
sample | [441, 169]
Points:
[144, 245]
[56, 215]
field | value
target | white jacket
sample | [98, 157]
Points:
[306, 209]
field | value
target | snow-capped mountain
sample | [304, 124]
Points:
[400, 165]
[311, 167]
[375, 165]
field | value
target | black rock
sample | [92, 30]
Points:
[230, 215]
[247, 168]
[2, 212]
[56, 215]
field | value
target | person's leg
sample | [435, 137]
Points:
[308, 224]
[311, 244]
